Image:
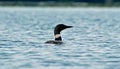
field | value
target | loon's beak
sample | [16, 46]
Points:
[69, 26]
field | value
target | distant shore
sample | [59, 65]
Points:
[59, 4]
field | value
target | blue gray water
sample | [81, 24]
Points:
[93, 42]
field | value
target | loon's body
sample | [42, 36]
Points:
[53, 42]
[57, 30]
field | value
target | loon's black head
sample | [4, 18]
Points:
[59, 28]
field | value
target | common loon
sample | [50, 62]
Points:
[57, 30]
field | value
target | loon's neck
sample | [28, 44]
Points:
[58, 37]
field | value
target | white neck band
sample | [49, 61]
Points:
[57, 35]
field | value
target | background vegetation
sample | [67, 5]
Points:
[74, 3]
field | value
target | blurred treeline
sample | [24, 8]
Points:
[84, 3]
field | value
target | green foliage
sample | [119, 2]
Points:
[59, 4]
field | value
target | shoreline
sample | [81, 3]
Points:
[57, 4]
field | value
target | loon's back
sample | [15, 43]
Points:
[53, 42]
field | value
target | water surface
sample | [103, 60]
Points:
[93, 42]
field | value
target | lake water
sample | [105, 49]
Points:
[93, 42]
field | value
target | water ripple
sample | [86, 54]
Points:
[93, 42]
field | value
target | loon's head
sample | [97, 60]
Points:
[58, 29]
